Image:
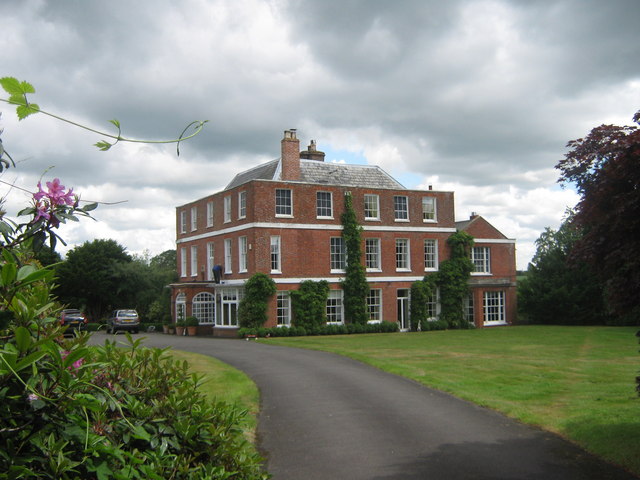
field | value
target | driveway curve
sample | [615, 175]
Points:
[327, 417]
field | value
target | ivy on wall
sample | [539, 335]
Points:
[309, 304]
[252, 312]
[354, 285]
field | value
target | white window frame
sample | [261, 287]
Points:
[494, 308]
[324, 208]
[183, 221]
[210, 217]
[210, 260]
[284, 202]
[242, 204]
[403, 255]
[194, 261]
[275, 254]
[228, 297]
[468, 308]
[430, 254]
[181, 306]
[481, 258]
[401, 208]
[242, 254]
[371, 205]
[194, 219]
[283, 309]
[227, 209]
[337, 255]
[372, 255]
[203, 307]
[429, 209]
[374, 305]
[227, 256]
[335, 308]
[183, 262]
[433, 306]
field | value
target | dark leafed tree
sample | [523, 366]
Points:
[355, 284]
[605, 168]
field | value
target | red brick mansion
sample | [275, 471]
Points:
[282, 218]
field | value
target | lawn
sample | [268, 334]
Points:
[576, 381]
[223, 382]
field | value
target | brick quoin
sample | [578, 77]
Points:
[305, 239]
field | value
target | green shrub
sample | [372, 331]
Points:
[191, 322]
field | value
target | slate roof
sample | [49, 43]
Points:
[323, 173]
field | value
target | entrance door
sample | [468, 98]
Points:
[403, 309]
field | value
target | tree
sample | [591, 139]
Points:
[354, 285]
[421, 291]
[309, 304]
[605, 170]
[252, 312]
[453, 280]
[556, 291]
[93, 277]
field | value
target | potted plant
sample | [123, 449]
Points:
[192, 325]
[166, 325]
[180, 326]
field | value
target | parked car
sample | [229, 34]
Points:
[126, 319]
[73, 319]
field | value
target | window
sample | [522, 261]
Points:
[324, 205]
[467, 308]
[194, 218]
[494, 312]
[227, 255]
[209, 214]
[338, 254]
[372, 254]
[480, 256]
[374, 305]
[275, 255]
[183, 262]
[181, 306]
[194, 261]
[229, 300]
[242, 204]
[242, 254]
[227, 209]
[210, 261]
[283, 203]
[428, 209]
[371, 207]
[432, 306]
[401, 208]
[402, 254]
[183, 222]
[430, 254]
[203, 307]
[334, 306]
[283, 308]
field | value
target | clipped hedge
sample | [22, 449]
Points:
[348, 329]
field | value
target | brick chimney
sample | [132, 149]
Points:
[290, 156]
[311, 153]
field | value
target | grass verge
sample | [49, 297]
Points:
[575, 381]
[223, 382]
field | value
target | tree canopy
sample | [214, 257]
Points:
[604, 166]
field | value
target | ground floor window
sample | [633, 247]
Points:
[374, 305]
[227, 302]
[494, 308]
[467, 309]
[283, 309]
[203, 307]
[334, 307]
[432, 306]
[181, 306]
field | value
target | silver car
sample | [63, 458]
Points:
[126, 319]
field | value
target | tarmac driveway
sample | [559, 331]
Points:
[326, 417]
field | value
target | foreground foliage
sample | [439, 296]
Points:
[72, 411]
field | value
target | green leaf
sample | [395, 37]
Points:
[103, 146]
[29, 360]
[8, 274]
[24, 111]
[10, 85]
[23, 339]
[89, 207]
[25, 271]
[116, 123]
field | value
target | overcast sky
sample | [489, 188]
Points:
[478, 97]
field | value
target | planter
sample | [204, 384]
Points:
[192, 331]
[171, 331]
[180, 330]
[165, 328]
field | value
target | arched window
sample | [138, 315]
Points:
[181, 306]
[203, 307]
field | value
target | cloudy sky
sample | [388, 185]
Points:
[478, 97]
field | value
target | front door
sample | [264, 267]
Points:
[403, 309]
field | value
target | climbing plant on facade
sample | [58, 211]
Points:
[252, 312]
[309, 304]
[354, 285]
